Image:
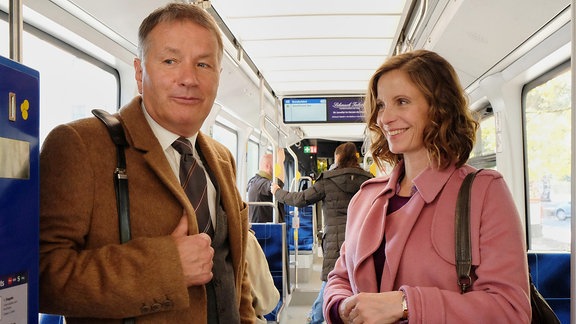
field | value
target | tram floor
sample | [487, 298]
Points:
[303, 295]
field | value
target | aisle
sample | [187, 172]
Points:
[303, 296]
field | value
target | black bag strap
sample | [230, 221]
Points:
[462, 233]
[120, 176]
[542, 313]
[541, 310]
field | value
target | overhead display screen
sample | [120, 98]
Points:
[321, 110]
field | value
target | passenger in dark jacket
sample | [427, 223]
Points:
[335, 188]
[259, 189]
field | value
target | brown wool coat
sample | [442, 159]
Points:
[85, 273]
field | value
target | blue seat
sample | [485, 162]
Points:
[551, 275]
[50, 319]
[272, 239]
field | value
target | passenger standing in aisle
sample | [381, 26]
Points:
[398, 260]
[259, 189]
[169, 272]
[335, 188]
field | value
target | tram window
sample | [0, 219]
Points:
[71, 82]
[227, 136]
[251, 159]
[547, 132]
[484, 153]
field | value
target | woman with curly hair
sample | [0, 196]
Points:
[398, 260]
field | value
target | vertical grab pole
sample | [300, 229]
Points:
[573, 172]
[15, 22]
[274, 146]
[295, 218]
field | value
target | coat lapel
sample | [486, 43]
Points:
[142, 139]
[372, 226]
[396, 238]
[429, 184]
[222, 172]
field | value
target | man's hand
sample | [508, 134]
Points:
[195, 254]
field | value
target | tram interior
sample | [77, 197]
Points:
[278, 50]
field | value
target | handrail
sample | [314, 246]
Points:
[265, 203]
[405, 42]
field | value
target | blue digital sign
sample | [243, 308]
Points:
[321, 110]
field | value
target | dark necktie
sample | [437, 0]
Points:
[193, 180]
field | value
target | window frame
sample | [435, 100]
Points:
[545, 77]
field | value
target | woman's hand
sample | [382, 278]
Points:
[372, 308]
[345, 308]
[280, 156]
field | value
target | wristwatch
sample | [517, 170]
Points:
[404, 307]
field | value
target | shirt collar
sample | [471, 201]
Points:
[164, 136]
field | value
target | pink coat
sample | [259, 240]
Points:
[420, 249]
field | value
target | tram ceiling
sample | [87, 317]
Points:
[328, 47]
[333, 46]
[319, 47]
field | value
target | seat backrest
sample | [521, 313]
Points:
[50, 319]
[551, 275]
[272, 239]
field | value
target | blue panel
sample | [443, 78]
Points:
[19, 196]
[551, 275]
[306, 230]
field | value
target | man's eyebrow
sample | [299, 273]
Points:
[170, 50]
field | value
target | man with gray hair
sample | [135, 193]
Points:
[172, 270]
